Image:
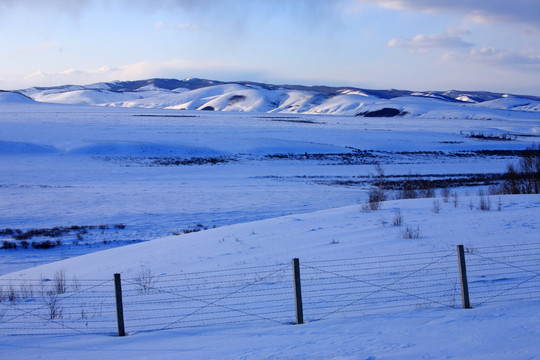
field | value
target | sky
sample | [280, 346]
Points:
[490, 45]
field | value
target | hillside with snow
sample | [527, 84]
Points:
[200, 94]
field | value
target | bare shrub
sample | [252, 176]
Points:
[411, 232]
[455, 200]
[145, 280]
[398, 218]
[484, 202]
[376, 197]
[12, 295]
[426, 191]
[84, 313]
[376, 193]
[53, 305]
[408, 191]
[523, 178]
[60, 282]
[50, 295]
[446, 194]
[75, 283]
[436, 207]
[26, 290]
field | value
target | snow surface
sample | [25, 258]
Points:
[68, 165]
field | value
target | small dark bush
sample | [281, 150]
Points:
[376, 197]
[8, 245]
[411, 233]
[481, 136]
[7, 232]
[408, 191]
[398, 218]
[188, 231]
[47, 244]
[523, 178]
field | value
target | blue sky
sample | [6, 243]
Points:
[491, 45]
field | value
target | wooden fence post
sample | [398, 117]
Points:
[119, 306]
[298, 292]
[463, 278]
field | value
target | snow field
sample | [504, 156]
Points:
[67, 165]
[256, 250]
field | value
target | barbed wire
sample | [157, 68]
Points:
[266, 293]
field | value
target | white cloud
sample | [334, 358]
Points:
[481, 11]
[140, 70]
[457, 31]
[426, 42]
[499, 56]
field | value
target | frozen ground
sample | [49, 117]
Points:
[161, 172]
[275, 187]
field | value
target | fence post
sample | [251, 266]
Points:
[119, 306]
[463, 278]
[297, 292]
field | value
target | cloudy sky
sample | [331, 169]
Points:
[489, 45]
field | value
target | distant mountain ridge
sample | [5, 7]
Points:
[203, 94]
[196, 83]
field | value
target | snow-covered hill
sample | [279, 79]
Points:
[201, 94]
[14, 97]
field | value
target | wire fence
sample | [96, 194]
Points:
[57, 306]
[329, 288]
[208, 298]
[344, 286]
[504, 273]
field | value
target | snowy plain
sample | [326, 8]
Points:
[263, 189]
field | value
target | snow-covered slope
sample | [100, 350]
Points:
[325, 241]
[11, 97]
[200, 94]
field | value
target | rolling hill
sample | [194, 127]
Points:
[202, 94]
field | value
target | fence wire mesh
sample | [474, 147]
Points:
[210, 298]
[330, 288]
[336, 287]
[503, 273]
[57, 306]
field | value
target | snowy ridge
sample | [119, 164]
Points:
[201, 94]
